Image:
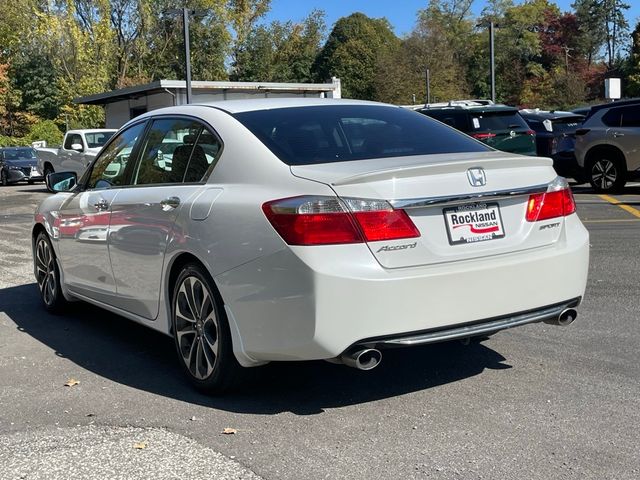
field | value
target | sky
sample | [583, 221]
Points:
[401, 13]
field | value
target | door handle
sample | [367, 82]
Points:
[170, 203]
[101, 205]
[618, 134]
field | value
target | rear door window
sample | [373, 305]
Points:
[631, 116]
[339, 133]
[176, 150]
[613, 117]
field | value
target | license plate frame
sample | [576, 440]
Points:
[483, 219]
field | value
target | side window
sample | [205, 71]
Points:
[612, 117]
[631, 116]
[176, 150]
[71, 139]
[109, 169]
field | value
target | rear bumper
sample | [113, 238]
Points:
[313, 303]
[486, 327]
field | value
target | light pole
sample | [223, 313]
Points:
[492, 62]
[186, 13]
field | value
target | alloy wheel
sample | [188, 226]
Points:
[197, 327]
[604, 174]
[46, 272]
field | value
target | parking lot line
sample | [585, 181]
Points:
[633, 211]
[619, 220]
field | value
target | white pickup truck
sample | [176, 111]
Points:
[78, 150]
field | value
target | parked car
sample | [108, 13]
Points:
[608, 145]
[555, 138]
[78, 150]
[499, 126]
[19, 164]
[304, 229]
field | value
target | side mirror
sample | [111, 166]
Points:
[77, 147]
[61, 181]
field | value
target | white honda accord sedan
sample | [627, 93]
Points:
[302, 229]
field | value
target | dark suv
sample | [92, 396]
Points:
[499, 126]
[556, 138]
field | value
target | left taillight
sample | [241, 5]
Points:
[556, 202]
[318, 220]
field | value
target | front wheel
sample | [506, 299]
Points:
[201, 332]
[606, 173]
[3, 178]
[47, 275]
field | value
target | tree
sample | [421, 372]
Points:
[281, 52]
[602, 24]
[352, 52]
[633, 66]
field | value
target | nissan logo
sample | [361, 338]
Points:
[476, 177]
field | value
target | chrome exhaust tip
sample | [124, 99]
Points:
[363, 359]
[566, 317]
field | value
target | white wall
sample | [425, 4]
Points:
[118, 113]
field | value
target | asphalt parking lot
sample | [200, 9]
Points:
[537, 402]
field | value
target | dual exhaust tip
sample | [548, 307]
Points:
[369, 358]
[361, 358]
[566, 317]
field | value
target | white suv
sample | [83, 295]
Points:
[608, 144]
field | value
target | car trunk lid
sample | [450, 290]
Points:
[457, 221]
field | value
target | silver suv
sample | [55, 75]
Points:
[608, 144]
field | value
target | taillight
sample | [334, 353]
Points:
[531, 133]
[557, 201]
[483, 136]
[316, 220]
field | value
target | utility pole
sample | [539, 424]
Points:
[428, 80]
[187, 52]
[493, 63]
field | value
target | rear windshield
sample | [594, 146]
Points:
[567, 125]
[340, 133]
[491, 121]
[98, 139]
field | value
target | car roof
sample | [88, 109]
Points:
[617, 103]
[474, 108]
[248, 105]
[549, 115]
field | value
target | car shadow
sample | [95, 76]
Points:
[130, 354]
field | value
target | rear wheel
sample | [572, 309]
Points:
[606, 172]
[201, 332]
[47, 275]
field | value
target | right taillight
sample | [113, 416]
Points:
[317, 220]
[557, 201]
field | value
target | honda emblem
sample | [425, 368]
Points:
[476, 177]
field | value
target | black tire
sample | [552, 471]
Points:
[48, 275]
[206, 340]
[3, 178]
[606, 172]
[47, 170]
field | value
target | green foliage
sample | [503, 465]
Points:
[352, 52]
[281, 52]
[45, 130]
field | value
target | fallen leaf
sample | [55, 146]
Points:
[90, 415]
[229, 431]
[140, 445]
[71, 382]
[193, 419]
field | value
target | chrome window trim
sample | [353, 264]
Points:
[463, 198]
